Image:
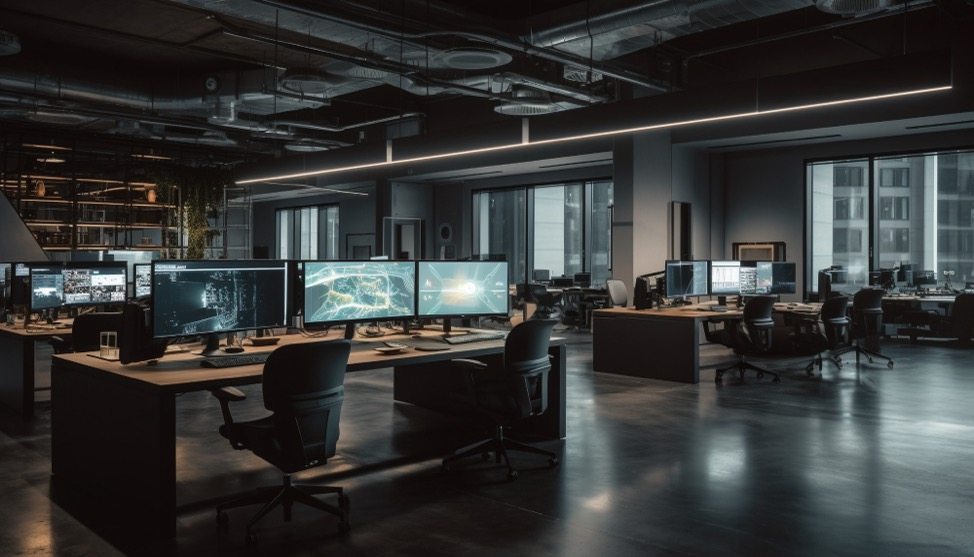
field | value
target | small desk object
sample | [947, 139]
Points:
[113, 426]
[17, 383]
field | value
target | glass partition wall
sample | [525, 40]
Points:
[889, 212]
[563, 229]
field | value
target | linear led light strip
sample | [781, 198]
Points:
[497, 148]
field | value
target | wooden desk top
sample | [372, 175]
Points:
[703, 311]
[38, 330]
[181, 372]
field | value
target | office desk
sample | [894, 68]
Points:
[652, 343]
[17, 383]
[659, 343]
[113, 426]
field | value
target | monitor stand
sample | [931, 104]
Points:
[349, 331]
[212, 345]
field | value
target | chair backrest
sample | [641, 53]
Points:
[303, 385]
[87, 328]
[962, 316]
[618, 296]
[835, 319]
[867, 312]
[527, 365]
[758, 322]
[540, 294]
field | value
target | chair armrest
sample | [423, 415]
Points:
[226, 395]
[60, 344]
[467, 363]
[229, 394]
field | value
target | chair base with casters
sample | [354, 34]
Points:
[870, 355]
[499, 444]
[285, 496]
[742, 366]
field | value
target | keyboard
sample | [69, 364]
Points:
[718, 308]
[472, 337]
[236, 360]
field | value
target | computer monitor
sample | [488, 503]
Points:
[541, 275]
[725, 278]
[90, 283]
[583, 280]
[925, 277]
[142, 280]
[213, 297]
[46, 287]
[905, 273]
[462, 288]
[5, 271]
[20, 282]
[685, 279]
[784, 277]
[346, 292]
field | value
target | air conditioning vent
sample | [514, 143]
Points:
[472, 58]
[307, 81]
[855, 7]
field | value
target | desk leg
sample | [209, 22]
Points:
[667, 349]
[115, 445]
[430, 385]
[17, 377]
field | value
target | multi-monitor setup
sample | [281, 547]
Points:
[684, 279]
[42, 286]
[213, 298]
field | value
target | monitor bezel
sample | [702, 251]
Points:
[228, 264]
[308, 322]
[421, 314]
[736, 263]
[55, 269]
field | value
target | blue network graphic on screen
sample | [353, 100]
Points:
[336, 291]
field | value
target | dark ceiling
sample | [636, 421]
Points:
[233, 81]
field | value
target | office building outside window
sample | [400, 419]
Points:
[922, 215]
[561, 228]
[307, 232]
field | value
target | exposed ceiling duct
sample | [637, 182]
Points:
[856, 7]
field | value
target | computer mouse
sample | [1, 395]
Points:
[233, 349]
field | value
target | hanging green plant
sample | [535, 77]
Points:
[200, 192]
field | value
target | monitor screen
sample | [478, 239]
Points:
[142, 281]
[217, 296]
[93, 283]
[925, 277]
[349, 291]
[725, 278]
[687, 278]
[462, 288]
[5, 272]
[783, 277]
[20, 281]
[46, 287]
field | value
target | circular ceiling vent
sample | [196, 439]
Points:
[472, 58]
[354, 70]
[527, 102]
[855, 7]
[312, 145]
[308, 81]
[60, 118]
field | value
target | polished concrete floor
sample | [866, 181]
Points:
[863, 461]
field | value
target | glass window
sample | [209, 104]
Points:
[560, 228]
[923, 214]
[307, 232]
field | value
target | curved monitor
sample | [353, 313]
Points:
[217, 296]
[687, 278]
[462, 288]
[93, 283]
[338, 292]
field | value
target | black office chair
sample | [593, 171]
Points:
[830, 332]
[957, 321]
[303, 387]
[512, 392]
[867, 325]
[749, 336]
[546, 303]
[618, 295]
[86, 332]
